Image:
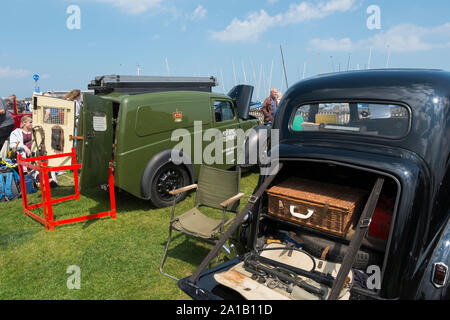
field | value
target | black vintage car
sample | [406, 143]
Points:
[384, 134]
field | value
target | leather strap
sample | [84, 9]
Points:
[325, 252]
[237, 221]
[355, 243]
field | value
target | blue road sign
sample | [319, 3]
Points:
[37, 89]
[36, 77]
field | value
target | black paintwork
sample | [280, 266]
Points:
[418, 162]
[243, 96]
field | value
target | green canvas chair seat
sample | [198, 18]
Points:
[197, 224]
[218, 190]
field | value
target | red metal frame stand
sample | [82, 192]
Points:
[47, 203]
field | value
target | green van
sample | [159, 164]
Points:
[132, 130]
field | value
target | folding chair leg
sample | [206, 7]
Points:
[165, 256]
[218, 256]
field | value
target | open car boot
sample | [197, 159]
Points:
[283, 272]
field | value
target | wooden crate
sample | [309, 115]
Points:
[323, 206]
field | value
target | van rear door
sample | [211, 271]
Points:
[98, 133]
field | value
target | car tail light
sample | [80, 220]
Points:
[440, 274]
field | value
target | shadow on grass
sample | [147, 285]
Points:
[245, 172]
[99, 201]
[16, 237]
[89, 223]
[189, 251]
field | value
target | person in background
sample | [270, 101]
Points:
[75, 95]
[279, 96]
[12, 102]
[6, 123]
[29, 108]
[21, 107]
[21, 140]
[269, 107]
[49, 111]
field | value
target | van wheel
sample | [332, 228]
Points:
[169, 177]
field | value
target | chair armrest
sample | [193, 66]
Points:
[180, 190]
[235, 198]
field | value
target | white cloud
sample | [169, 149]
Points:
[305, 11]
[134, 6]
[8, 72]
[199, 13]
[258, 22]
[409, 38]
[246, 30]
[332, 44]
[400, 38]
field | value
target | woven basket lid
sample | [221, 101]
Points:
[321, 193]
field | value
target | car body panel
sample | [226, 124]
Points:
[419, 162]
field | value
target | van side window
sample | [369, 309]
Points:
[223, 111]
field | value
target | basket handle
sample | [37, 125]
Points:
[299, 215]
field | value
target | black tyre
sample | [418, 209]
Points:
[169, 177]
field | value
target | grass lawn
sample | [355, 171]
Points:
[119, 259]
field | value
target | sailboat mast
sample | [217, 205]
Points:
[223, 82]
[167, 67]
[245, 74]
[270, 77]
[254, 77]
[284, 66]
[234, 73]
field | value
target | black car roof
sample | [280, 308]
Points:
[426, 92]
[380, 78]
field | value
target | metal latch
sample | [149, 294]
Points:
[253, 199]
[365, 223]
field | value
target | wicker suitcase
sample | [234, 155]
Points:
[323, 206]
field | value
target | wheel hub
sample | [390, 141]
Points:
[168, 180]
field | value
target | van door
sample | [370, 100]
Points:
[226, 120]
[98, 133]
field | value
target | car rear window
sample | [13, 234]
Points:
[374, 119]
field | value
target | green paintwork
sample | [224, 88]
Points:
[145, 123]
[97, 144]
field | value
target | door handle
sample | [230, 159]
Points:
[75, 138]
[299, 215]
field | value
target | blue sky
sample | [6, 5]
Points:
[203, 38]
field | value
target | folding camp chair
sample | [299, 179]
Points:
[217, 189]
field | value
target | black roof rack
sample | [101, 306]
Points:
[146, 84]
